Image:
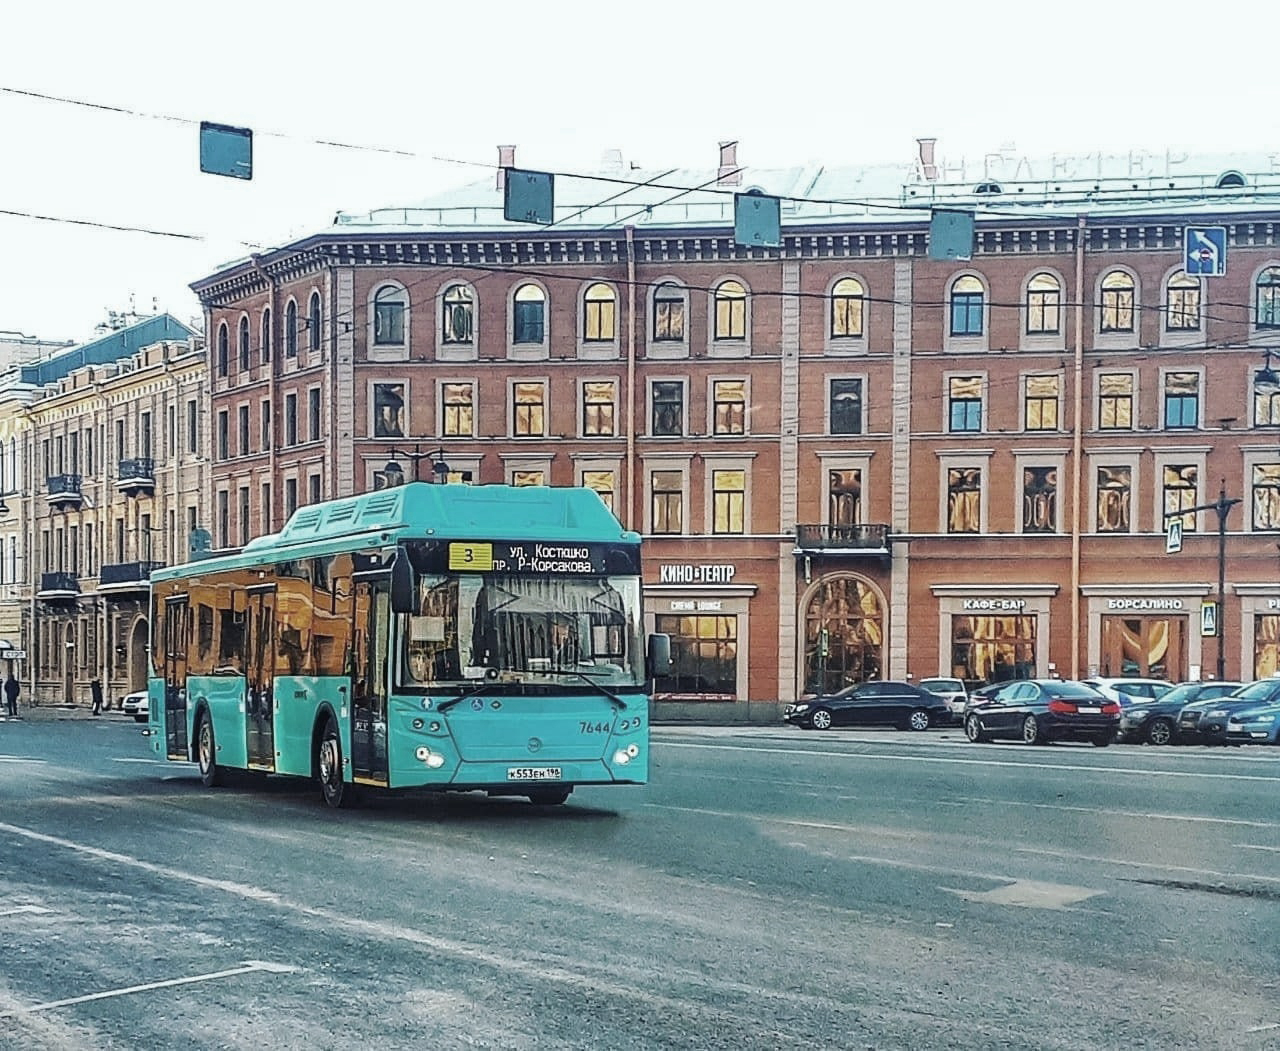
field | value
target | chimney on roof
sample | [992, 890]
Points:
[927, 166]
[729, 174]
[506, 159]
[611, 161]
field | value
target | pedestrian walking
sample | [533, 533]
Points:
[95, 690]
[11, 689]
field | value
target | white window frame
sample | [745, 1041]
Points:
[1055, 458]
[1169, 456]
[1116, 456]
[980, 342]
[682, 462]
[1033, 341]
[457, 351]
[388, 351]
[1168, 370]
[853, 345]
[956, 459]
[1117, 340]
[726, 461]
[729, 348]
[512, 381]
[1178, 337]
[528, 351]
[666, 349]
[599, 350]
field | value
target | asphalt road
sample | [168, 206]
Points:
[769, 889]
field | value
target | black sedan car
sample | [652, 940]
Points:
[1205, 722]
[1156, 722]
[1041, 710]
[879, 703]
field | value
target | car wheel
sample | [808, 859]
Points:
[335, 791]
[207, 753]
[918, 720]
[1160, 731]
[549, 796]
[1031, 730]
[1102, 740]
[974, 731]
[139, 718]
[821, 719]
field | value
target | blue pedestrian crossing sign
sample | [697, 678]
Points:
[1205, 251]
[1208, 619]
[1173, 538]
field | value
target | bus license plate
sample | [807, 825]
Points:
[533, 773]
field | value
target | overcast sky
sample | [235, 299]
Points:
[839, 83]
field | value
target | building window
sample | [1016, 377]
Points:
[599, 314]
[1180, 484]
[1267, 292]
[1182, 399]
[603, 484]
[1266, 401]
[1115, 401]
[313, 414]
[264, 423]
[223, 353]
[668, 314]
[223, 451]
[1039, 499]
[1044, 306]
[1115, 492]
[729, 403]
[964, 499]
[224, 523]
[993, 649]
[529, 319]
[845, 406]
[388, 410]
[291, 419]
[730, 311]
[967, 306]
[244, 515]
[598, 408]
[389, 306]
[728, 502]
[242, 414]
[847, 299]
[704, 657]
[525, 478]
[667, 488]
[290, 497]
[314, 321]
[668, 409]
[529, 410]
[1117, 302]
[313, 485]
[964, 404]
[844, 497]
[242, 344]
[265, 349]
[1183, 295]
[1041, 405]
[193, 435]
[459, 410]
[458, 316]
[291, 330]
[1266, 496]
[264, 510]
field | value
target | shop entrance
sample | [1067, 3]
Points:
[1146, 647]
[1266, 646]
[843, 636]
[993, 649]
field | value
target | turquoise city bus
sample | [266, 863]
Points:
[444, 637]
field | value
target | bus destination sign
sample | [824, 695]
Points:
[535, 556]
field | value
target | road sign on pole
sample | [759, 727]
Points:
[1205, 251]
[1173, 538]
[1208, 619]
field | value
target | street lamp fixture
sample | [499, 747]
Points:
[395, 473]
[1267, 377]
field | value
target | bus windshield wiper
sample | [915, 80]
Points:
[617, 701]
[444, 706]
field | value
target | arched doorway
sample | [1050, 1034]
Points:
[69, 665]
[138, 656]
[843, 635]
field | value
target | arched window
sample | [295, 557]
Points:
[291, 330]
[458, 315]
[668, 313]
[730, 311]
[389, 307]
[242, 341]
[1268, 298]
[266, 335]
[1117, 302]
[314, 323]
[968, 300]
[1183, 303]
[843, 635]
[222, 349]
[1044, 305]
[847, 298]
[599, 314]
[529, 315]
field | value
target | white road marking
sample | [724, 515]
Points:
[1264, 1028]
[248, 967]
[145, 762]
[34, 910]
[1028, 894]
[1072, 856]
[1069, 767]
[1255, 846]
[20, 759]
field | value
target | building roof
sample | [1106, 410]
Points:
[111, 347]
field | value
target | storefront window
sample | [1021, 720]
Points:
[993, 649]
[844, 636]
[1148, 647]
[704, 658]
[1266, 646]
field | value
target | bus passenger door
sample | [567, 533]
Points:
[259, 701]
[369, 682]
[176, 639]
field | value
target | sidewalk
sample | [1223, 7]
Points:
[43, 713]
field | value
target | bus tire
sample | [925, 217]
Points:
[211, 774]
[549, 796]
[333, 789]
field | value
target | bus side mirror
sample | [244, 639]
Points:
[659, 656]
[402, 596]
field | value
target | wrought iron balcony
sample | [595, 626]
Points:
[58, 585]
[136, 476]
[63, 491]
[116, 577]
[866, 538]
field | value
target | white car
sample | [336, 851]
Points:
[1129, 691]
[135, 704]
[950, 690]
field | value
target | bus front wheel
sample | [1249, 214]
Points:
[549, 796]
[207, 753]
[336, 792]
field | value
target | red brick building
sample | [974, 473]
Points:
[848, 459]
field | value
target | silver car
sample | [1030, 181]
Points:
[950, 690]
[135, 704]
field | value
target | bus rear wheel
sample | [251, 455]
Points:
[207, 753]
[549, 796]
[335, 791]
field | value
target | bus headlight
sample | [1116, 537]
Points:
[433, 759]
[624, 755]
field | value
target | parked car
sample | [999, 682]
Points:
[1037, 711]
[879, 703]
[1127, 691]
[1206, 721]
[1156, 722]
[135, 704]
[1259, 725]
[950, 690]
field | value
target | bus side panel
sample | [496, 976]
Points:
[297, 698]
[223, 695]
[155, 716]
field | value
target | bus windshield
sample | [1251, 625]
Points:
[523, 629]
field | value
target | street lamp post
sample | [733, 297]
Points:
[438, 466]
[1223, 507]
